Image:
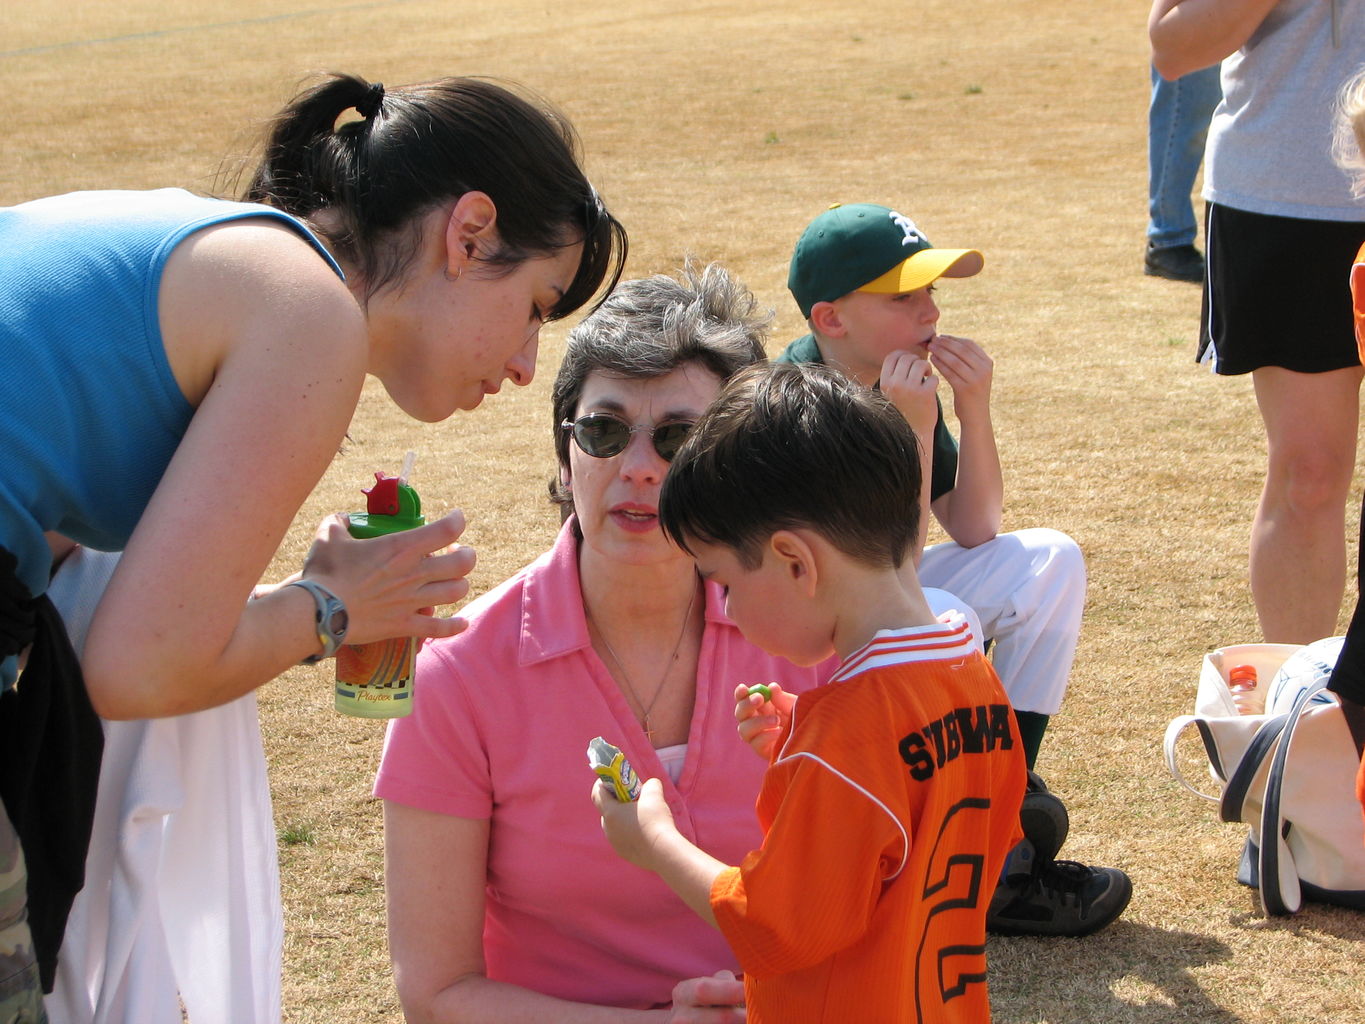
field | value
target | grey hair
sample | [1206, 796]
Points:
[1348, 142]
[650, 327]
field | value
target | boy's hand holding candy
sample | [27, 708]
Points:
[762, 712]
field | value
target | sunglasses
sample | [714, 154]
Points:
[603, 435]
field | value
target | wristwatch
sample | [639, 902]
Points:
[331, 618]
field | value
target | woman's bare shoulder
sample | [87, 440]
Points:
[250, 282]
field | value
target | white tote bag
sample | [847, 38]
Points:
[1290, 777]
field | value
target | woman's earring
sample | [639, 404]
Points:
[458, 272]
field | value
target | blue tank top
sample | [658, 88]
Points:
[90, 413]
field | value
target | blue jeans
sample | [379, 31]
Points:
[1177, 125]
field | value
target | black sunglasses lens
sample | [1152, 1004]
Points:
[601, 436]
[669, 438]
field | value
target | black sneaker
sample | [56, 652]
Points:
[1043, 817]
[1175, 263]
[1059, 897]
[1020, 866]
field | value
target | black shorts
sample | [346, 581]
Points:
[1278, 292]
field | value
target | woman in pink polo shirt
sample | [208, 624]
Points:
[505, 901]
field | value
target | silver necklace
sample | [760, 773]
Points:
[668, 665]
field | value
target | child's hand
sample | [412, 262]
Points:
[634, 828]
[762, 720]
[966, 367]
[718, 999]
[909, 382]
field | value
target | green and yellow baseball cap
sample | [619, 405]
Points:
[868, 248]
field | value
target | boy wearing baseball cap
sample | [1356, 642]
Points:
[864, 275]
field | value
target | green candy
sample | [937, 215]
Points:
[763, 689]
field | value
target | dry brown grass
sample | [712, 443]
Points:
[719, 130]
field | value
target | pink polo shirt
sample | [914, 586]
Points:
[500, 729]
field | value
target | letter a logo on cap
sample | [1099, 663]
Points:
[912, 235]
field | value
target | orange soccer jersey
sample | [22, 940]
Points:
[1358, 299]
[888, 810]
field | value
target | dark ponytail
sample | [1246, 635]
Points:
[407, 150]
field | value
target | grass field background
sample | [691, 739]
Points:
[717, 131]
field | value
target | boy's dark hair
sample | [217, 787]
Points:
[412, 148]
[797, 445]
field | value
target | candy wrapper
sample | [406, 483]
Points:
[609, 763]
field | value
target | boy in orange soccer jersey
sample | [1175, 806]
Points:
[893, 792]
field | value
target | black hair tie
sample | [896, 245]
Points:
[368, 105]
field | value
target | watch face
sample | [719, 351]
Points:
[336, 625]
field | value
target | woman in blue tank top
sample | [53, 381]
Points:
[155, 344]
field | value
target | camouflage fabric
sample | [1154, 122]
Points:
[21, 997]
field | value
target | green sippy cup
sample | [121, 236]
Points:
[374, 680]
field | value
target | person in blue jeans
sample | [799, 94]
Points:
[1177, 125]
